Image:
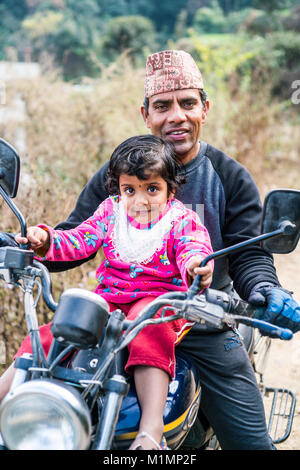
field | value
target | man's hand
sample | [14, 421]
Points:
[206, 272]
[38, 238]
[281, 309]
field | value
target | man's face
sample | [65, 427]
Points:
[177, 116]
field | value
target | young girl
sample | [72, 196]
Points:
[152, 244]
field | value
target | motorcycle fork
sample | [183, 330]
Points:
[37, 356]
[39, 365]
[115, 389]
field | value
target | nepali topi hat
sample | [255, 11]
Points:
[171, 71]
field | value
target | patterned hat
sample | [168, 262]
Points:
[171, 71]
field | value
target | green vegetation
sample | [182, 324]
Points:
[77, 38]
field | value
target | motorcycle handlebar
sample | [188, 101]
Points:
[234, 307]
[269, 328]
[21, 262]
[229, 309]
[246, 313]
[46, 286]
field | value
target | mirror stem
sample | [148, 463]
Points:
[15, 210]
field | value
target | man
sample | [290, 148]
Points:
[176, 108]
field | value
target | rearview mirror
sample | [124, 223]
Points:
[9, 169]
[281, 205]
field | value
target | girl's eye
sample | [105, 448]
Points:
[152, 189]
[129, 190]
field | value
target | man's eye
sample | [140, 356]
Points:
[160, 107]
[189, 104]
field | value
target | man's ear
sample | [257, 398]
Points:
[204, 112]
[145, 116]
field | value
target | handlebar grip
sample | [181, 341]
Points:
[272, 330]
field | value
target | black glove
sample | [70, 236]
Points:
[281, 309]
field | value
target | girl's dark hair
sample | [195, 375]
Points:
[141, 156]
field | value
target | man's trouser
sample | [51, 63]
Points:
[230, 399]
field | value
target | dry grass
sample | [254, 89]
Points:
[72, 131]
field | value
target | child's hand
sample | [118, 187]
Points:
[206, 272]
[38, 238]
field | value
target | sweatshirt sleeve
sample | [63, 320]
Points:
[80, 242]
[191, 238]
[251, 265]
[93, 194]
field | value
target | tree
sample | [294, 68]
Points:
[12, 13]
[128, 33]
[163, 14]
[234, 5]
[271, 5]
[69, 32]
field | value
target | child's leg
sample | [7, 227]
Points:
[152, 390]
[152, 363]
[6, 380]
[155, 344]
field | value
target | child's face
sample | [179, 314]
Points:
[144, 200]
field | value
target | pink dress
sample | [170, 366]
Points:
[141, 263]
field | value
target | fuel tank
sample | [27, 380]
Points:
[181, 407]
[180, 410]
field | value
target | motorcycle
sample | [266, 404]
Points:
[78, 397]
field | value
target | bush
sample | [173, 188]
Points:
[270, 62]
[261, 23]
[235, 21]
[276, 58]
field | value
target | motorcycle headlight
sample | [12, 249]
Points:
[42, 415]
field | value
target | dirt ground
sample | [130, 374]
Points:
[283, 368]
